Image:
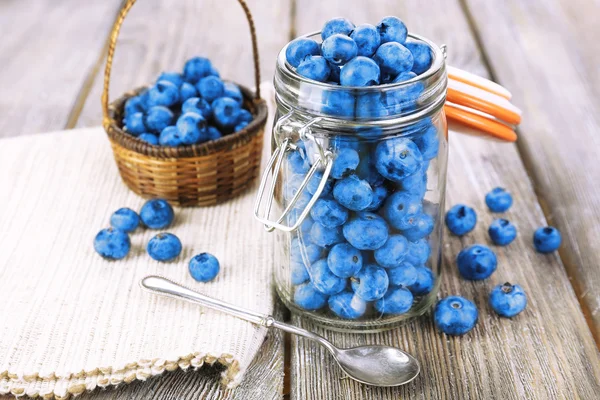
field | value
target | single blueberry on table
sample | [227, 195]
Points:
[547, 239]
[393, 252]
[306, 296]
[502, 232]
[476, 262]
[329, 213]
[187, 91]
[366, 231]
[380, 193]
[298, 273]
[393, 58]
[397, 300]
[315, 68]
[233, 91]
[324, 280]
[397, 158]
[112, 244]
[455, 315]
[157, 214]
[135, 105]
[192, 128]
[325, 237]
[197, 105]
[125, 219]
[213, 133]
[347, 305]
[164, 247]
[304, 252]
[158, 118]
[428, 143]
[197, 68]
[204, 267]
[424, 282]
[339, 103]
[401, 209]
[461, 219]
[170, 137]
[174, 77]
[404, 275]
[392, 29]
[421, 54]
[353, 193]
[336, 26]
[422, 227]
[498, 200]
[163, 93]
[360, 72]
[344, 260]
[345, 163]
[418, 252]
[366, 38]
[134, 124]
[300, 49]
[210, 88]
[508, 300]
[338, 49]
[370, 283]
[149, 138]
[226, 112]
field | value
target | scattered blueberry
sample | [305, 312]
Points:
[158, 118]
[455, 315]
[300, 49]
[335, 26]
[404, 275]
[508, 300]
[547, 239]
[157, 214]
[393, 252]
[112, 244]
[324, 280]
[424, 282]
[498, 200]
[338, 49]
[397, 158]
[461, 219]
[366, 231]
[308, 297]
[366, 38]
[345, 163]
[125, 219]
[347, 305]
[370, 283]
[360, 71]
[396, 301]
[353, 193]
[392, 29]
[164, 247]
[421, 54]
[315, 68]
[344, 260]
[476, 262]
[204, 267]
[502, 232]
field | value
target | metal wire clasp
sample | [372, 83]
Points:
[325, 161]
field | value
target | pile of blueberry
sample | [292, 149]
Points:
[114, 243]
[193, 107]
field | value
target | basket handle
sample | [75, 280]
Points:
[114, 34]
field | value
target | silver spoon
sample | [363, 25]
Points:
[373, 364]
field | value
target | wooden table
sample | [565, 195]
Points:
[51, 63]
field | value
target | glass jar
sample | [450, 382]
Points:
[357, 186]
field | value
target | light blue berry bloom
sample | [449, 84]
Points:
[338, 25]
[428, 143]
[422, 56]
[347, 305]
[393, 58]
[508, 300]
[380, 193]
[476, 262]
[422, 227]
[396, 301]
[313, 184]
[149, 138]
[125, 219]
[163, 93]
[339, 103]
[306, 253]
[405, 275]
[498, 200]
[547, 239]
[353, 193]
[502, 232]
[210, 88]
[174, 77]
[424, 282]
[198, 106]
[134, 105]
[325, 237]
[164, 247]
[226, 112]
[300, 49]
[306, 296]
[204, 267]
[192, 128]
[233, 91]
[329, 213]
[158, 118]
[157, 214]
[197, 68]
[370, 283]
[366, 231]
[401, 209]
[416, 184]
[112, 244]
[461, 219]
[345, 163]
[393, 252]
[367, 39]
[298, 273]
[418, 252]
[338, 49]
[187, 91]
[324, 280]
[344, 260]
[397, 158]
[170, 137]
[213, 133]
[455, 315]
[360, 72]
[392, 29]
[315, 68]
[134, 124]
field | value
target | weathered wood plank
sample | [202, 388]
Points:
[551, 66]
[159, 35]
[546, 352]
[47, 50]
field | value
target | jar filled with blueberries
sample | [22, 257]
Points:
[357, 175]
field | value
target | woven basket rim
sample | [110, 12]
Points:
[116, 133]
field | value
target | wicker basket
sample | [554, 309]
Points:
[198, 175]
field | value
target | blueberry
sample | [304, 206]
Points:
[367, 39]
[204, 267]
[112, 244]
[502, 232]
[498, 200]
[347, 305]
[416, 184]
[324, 280]
[329, 213]
[508, 300]
[214, 72]
[366, 231]
[291, 186]
[371, 105]
[345, 163]
[455, 315]
[240, 126]
[298, 273]
[336, 25]
[304, 252]
[313, 184]
[397, 158]
[245, 116]
[315, 68]
[309, 298]
[393, 58]
[401, 210]
[353, 193]
[300, 49]
[213, 133]
[461, 219]
[547, 239]
[325, 237]
[135, 105]
[422, 227]
[164, 247]
[134, 124]
[360, 72]
[174, 77]
[345, 142]
[197, 68]
[366, 170]
[393, 252]
[192, 128]
[210, 88]
[407, 94]
[344, 260]
[424, 282]
[298, 161]
[334, 73]
[226, 111]
[380, 193]
[428, 143]
[233, 91]
[170, 136]
[125, 219]
[404, 275]
[476, 262]
[187, 91]
[422, 56]
[158, 118]
[198, 106]
[418, 252]
[397, 300]
[392, 29]
[339, 103]
[157, 214]
[163, 93]
[338, 49]
[149, 138]
[370, 283]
